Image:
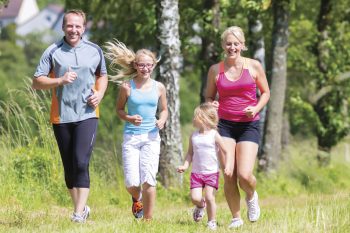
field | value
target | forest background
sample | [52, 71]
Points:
[304, 46]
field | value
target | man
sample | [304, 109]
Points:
[75, 70]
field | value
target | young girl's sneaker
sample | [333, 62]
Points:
[235, 223]
[137, 209]
[199, 212]
[253, 208]
[212, 225]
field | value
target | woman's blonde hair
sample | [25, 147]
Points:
[123, 59]
[236, 32]
[207, 115]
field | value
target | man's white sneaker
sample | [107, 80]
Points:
[235, 223]
[86, 212]
[78, 218]
[212, 225]
[81, 218]
[253, 212]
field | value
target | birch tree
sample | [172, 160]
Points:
[169, 73]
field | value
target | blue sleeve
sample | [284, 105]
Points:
[45, 64]
[101, 68]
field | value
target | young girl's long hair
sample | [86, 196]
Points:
[123, 60]
[207, 115]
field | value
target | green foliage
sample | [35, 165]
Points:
[189, 89]
[302, 116]
[8, 33]
[43, 3]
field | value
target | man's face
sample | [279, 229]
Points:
[73, 29]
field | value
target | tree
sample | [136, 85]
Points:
[209, 52]
[273, 132]
[256, 45]
[330, 102]
[169, 73]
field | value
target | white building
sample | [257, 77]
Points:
[18, 12]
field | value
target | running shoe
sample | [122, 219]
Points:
[253, 212]
[137, 209]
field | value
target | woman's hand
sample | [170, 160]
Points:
[250, 111]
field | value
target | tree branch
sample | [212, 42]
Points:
[326, 89]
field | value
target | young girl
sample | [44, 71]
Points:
[141, 146]
[202, 152]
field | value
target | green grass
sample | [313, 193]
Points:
[299, 197]
[305, 213]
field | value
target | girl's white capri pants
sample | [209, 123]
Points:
[141, 158]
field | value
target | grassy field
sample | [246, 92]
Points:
[298, 197]
[306, 213]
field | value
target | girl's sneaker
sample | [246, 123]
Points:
[212, 225]
[235, 223]
[137, 209]
[199, 212]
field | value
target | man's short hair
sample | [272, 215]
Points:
[74, 11]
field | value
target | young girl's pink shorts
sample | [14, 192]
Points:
[201, 180]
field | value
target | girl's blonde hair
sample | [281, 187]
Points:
[207, 115]
[236, 32]
[123, 59]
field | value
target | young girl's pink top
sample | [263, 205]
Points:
[235, 96]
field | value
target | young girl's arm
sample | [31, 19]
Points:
[188, 159]
[228, 169]
[163, 115]
[124, 92]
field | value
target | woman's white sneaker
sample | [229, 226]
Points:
[212, 225]
[235, 223]
[253, 212]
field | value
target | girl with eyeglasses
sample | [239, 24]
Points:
[141, 145]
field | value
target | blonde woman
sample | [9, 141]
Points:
[141, 145]
[235, 80]
[202, 153]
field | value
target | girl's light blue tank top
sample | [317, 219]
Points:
[143, 103]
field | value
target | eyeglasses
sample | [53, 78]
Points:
[143, 65]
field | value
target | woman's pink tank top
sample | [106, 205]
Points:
[235, 96]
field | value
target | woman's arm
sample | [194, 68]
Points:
[211, 90]
[258, 74]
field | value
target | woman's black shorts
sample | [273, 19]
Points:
[240, 131]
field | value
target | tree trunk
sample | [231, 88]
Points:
[257, 47]
[169, 73]
[209, 54]
[323, 154]
[273, 131]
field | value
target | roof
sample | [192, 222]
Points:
[55, 8]
[12, 9]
